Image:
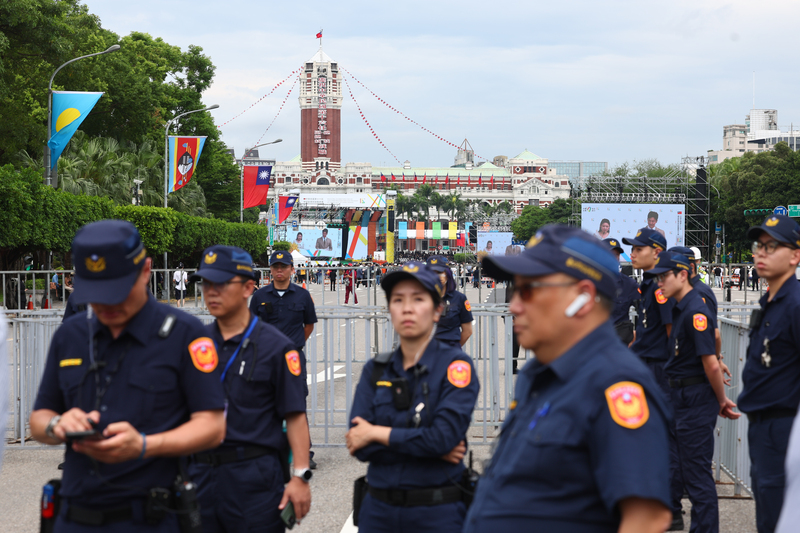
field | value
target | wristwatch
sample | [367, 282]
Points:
[303, 473]
[50, 425]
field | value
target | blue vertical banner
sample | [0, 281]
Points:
[402, 230]
[69, 111]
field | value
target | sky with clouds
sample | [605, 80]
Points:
[611, 81]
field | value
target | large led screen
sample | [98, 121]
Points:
[624, 220]
[325, 242]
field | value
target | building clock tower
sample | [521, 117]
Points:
[320, 114]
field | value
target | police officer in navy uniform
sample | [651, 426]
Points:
[652, 333]
[139, 373]
[627, 295]
[584, 445]
[455, 324]
[288, 307]
[242, 481]
[409, 418]
[697, 387]
[771, 377]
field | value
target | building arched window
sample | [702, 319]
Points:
[323, 181]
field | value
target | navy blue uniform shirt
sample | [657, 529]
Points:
[708, 298]
[288, 313]
[776, 386]
[457, 311]
[583, 433]
[655, 312]
[262, 385]
[627, 295]
[691, 338]
[155, 385]
[413, 457]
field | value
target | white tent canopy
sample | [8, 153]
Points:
[298, 258]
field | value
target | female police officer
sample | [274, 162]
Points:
[455, 324]
[410, 416]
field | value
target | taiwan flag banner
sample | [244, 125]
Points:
[184, 153]
[69, 110]
[256, 185]
[285, 206]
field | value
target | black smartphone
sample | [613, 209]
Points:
[90, 434]
[288, 516]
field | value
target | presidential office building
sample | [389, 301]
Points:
[522, 180]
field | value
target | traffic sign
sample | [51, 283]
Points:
[440, 247]
[780, 210]
[294, 224]
[719, 245]
[794, 210]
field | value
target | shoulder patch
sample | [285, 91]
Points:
[627, 404]
[660, 298]
[467, 306]
[383, 383]
[293, 362]
[700, 322]
[204, 354]
[459, 374]
[512, 405]
[70, 362]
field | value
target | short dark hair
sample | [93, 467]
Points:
[325, 230]
[652, 214]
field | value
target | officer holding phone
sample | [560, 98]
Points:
[243, 483]
[586, 412]
[135, 376]
[410, 415]
[627, 295]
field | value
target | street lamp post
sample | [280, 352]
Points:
[166, 176]
[241, 176]
[48, 172]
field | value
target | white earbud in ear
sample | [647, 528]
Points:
[577, 304]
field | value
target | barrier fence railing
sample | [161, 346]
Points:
[345, 338]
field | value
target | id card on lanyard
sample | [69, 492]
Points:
[242, 344]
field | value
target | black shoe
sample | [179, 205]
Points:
[312, 464]
[677, 522]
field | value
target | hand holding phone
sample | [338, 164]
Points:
[288, 516]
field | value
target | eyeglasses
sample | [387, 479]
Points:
[525, 290]
[768, 247]
[663, 276]
[221, 286]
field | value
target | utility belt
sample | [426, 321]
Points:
[464, 491]
[685, 382]
[180, 500]
[649, 360]
[769, 414]
[244, 453]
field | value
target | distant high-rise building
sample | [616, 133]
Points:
[759, 133]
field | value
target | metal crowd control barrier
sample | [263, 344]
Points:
[731, 449]
[342, 341]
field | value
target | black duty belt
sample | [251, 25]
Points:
[768, 414]
[685, 382]
[653, 360]
[232, 455]
[92, 517]
[409, 498]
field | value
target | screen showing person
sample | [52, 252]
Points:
[299, 240]
[513, 249]
[652, 219]
[324, 243]
[605, 228]
[488, 248]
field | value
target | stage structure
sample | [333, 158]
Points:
[688, 186]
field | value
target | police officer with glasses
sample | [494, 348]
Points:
[771, 377]
[242, 482]
[410, 416]
[584, 445]
[129, 387]
[698, 392]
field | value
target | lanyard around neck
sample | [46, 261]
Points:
[241, 344]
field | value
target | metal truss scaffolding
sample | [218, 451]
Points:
[687, 186]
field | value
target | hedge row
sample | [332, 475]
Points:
[34, 217]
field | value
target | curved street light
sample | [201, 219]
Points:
[166, 177]
[48, 172]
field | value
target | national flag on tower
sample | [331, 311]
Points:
[257, 180]
[285, 206]
[319, 35]
[383, 178]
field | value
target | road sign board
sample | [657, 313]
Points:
[794, 210]
[719, 245]
[780, 210]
